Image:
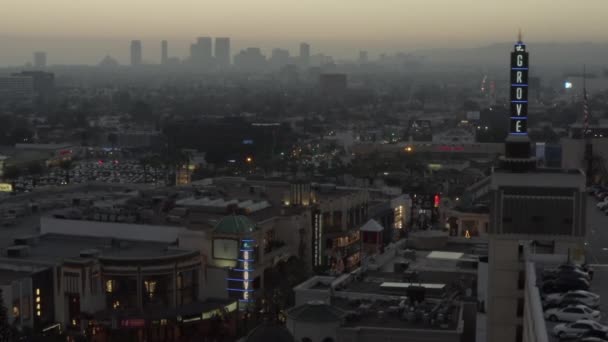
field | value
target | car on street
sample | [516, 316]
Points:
[576, 329]
[572, 313]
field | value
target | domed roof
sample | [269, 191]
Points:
[267, 332]
[235, 224]
[316, 311]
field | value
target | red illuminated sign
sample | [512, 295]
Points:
[133, 323]
[436, 201]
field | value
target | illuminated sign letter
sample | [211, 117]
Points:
[518, 77]
[518, 126]
[520, 60]
[518, 107]
[518, 93]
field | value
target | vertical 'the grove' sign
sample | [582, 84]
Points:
[519, 90]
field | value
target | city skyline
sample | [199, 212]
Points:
[338, 29]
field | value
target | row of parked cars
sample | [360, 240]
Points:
[567, 299]
[601, 194]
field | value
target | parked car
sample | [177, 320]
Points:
[572, 313]
[587, 298]
[566, 275]
[567, 269]
[592, 339]
[576, 329]
[565, 285]
[602, 204]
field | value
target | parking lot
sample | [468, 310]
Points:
[597, 256]
[101, 170]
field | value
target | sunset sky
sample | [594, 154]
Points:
[336, 26]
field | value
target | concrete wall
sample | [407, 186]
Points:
[215, 284]
[503, 291]
[482, 283]
[110, 230]
[534, 329]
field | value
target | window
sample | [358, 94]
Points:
[520, 307]
[519, 333]
[110, 286]
[521, 280]
[71, 280]
[26, 307]
[16, 310]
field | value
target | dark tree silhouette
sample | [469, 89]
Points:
[5, 327]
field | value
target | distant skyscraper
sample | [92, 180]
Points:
[201, 53]
[304, 54]
[279, 58]
[222, 51]
[363, 57]
[136, 55]
[164, 57]
[40, 59]
[250, 59]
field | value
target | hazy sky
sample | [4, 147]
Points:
[336, 26]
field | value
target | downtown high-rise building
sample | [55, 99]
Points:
[363, 58]
[279, 58]
[164, 55]
[136, 54]
[40, 59]
[201, 52]
[304, 54]
[222, 51]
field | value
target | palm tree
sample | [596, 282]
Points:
[5, 327]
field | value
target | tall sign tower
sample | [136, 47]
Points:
[517, 149]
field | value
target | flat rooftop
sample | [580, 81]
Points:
[57, 248]
[388, 314]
